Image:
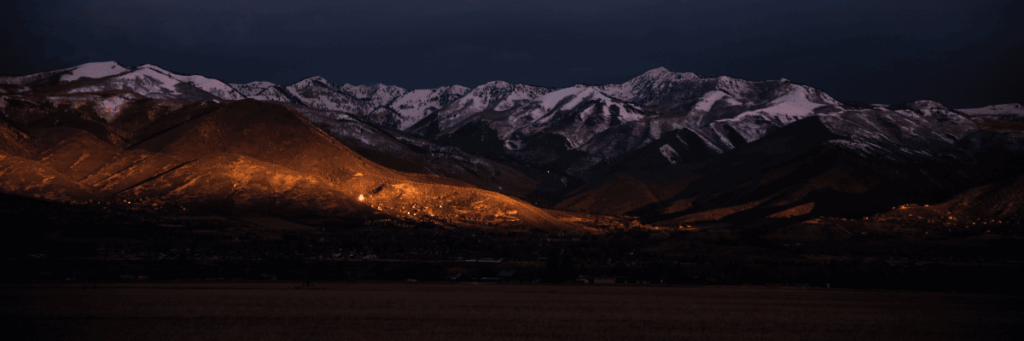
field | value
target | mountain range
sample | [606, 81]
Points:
[668, 148]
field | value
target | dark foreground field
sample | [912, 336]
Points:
[497, 312]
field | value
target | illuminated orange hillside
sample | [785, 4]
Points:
[245, 155]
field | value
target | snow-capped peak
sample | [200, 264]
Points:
[317, 92]
[314, 80]
[645, 84]
[93, 70]
[210, 85]
[461, 90]
[357, 91]
[656, 72]
[414, 105]
[493, 85]
[663, 73]
[148, 80]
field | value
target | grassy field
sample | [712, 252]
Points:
[409, 311]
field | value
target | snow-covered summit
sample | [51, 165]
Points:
[93, 70]
[656, 72]
[314, 81]
[570, 128]
[316, 92]
[604, 122]
[87, 70]
[662, 74]
[641, 87]
[493, 95]
[169, 81]
[481, 98]
[148, 80]
[414, 105]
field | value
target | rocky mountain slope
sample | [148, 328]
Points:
[243, 156]
[834, 165]
[672, 148]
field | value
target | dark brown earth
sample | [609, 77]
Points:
[469, 311]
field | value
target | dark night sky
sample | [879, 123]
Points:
[964, 53]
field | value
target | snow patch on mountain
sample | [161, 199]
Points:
[107, 107]
[414, 104]
[669, 153]
[707, 143]
[550, 100]
[588, 94]
[709, 99]
[143, 80]
[788, 108]
[733, 86]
